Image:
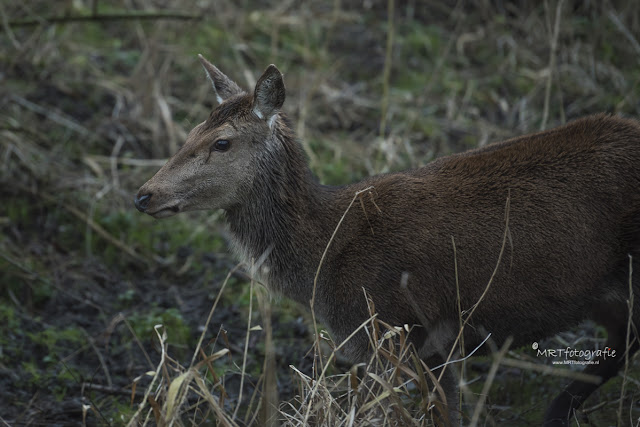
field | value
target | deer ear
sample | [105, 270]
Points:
[223, 86]
[269, 95]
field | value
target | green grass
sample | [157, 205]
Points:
[180, 334]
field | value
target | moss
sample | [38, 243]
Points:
[179, 334]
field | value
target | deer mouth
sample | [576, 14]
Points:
[165, 212]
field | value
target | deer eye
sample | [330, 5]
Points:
[221, 145]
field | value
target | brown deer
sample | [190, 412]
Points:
[571, 226]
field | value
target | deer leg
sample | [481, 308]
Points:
[447, 413]
[565, 404]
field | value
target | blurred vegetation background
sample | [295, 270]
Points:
[95, 95]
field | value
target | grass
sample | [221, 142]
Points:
[390, 387]
[90, 109]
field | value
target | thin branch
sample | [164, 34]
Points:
[59, 118]
[497, 359]
[110, 389]
[628, 341]
[505, 237]
[103, 364]
[142, 16]
[386, 72]
[315, 285]
[125, 160]
[552, 64]
[96, 227]
[551, 370]
[245, 353]
[162, 338]
[326, 249]
[624, 30]
[7, 29]
[213, 308]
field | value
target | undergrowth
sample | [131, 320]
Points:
[93, 102]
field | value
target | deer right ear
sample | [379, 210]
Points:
[223, 86]
[269, 95]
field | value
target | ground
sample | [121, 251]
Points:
[91, 107]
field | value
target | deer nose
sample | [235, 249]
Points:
[142, 202]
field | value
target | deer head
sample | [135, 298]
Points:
[217, 164]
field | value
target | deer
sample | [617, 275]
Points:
[562, 205]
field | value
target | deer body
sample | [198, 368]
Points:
[570, 197]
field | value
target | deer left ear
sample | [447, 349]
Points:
[269, 95]
[223, 86]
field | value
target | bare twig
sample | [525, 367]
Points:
[4, 422]
[487, 384]
[552, 64]
[324, 254]
[624, 30]
[550, 370]
[110, 389]
[59, 118]
[103, 364]
[162, 338]
[245, 353]
[505, 237]
[270, 395]
[142, 16]
[320, 378]
[460, 319]
[386, 73]
[326, 249]
[628, 341]
[125, 161]
[7, 29]
[222, 417]
[213, 308]
[114, 161]
[96, 227]
[468, 356]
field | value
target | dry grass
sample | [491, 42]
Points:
[392, 387]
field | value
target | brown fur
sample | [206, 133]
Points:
[574, 217]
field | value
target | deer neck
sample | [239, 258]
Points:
[282, 228]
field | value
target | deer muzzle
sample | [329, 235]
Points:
[142, 201]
